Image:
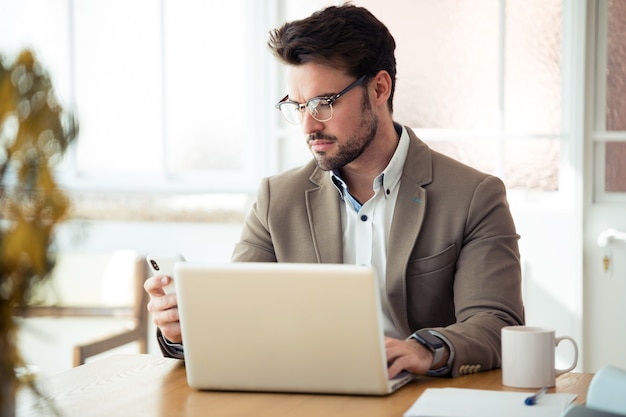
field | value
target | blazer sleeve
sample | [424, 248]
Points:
[487, 281]
[170, 350]
[255, 243]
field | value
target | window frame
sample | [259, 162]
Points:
[599, 134]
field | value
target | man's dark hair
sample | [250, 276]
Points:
[347, 37]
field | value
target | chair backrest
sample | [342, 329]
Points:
[86, 285]
[139, 331]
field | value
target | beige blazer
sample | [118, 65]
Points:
[452, 263]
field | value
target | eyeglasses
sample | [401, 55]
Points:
[321, 108]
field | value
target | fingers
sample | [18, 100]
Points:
[169, 324]
[396, 357]
[163, 308]
[154, 285]
[406, 355]
[159, 301]
[394, 369]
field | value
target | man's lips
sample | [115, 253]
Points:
[321, 145]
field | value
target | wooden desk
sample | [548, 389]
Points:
[148, 385]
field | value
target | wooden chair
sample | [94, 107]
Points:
[97, 285]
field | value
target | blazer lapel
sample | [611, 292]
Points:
[405, 226]
[324, 215]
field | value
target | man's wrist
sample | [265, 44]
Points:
[447, 366]
[439, 346]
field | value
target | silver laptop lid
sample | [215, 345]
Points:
[282, 327]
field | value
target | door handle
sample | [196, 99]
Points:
[608, 236]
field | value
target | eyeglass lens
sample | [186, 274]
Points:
[319, 108]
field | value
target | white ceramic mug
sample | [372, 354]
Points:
[528, 356]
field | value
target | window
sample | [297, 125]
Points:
[178, 95]
[169, 94]
[481, 80]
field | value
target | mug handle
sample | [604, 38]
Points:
[558, 340]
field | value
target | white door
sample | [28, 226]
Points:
[604, 286]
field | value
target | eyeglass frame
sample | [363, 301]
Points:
[329, 101]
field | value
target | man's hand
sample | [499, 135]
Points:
[407, 355]
[164, 308]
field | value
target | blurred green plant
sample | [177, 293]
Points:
[34, 133]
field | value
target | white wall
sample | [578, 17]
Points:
[551, 275]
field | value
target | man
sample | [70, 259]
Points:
[439, 234]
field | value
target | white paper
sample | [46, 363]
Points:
[462, 402]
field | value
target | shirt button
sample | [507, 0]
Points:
[364, 218]
[388, 191]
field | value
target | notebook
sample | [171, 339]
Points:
[467, 402]
[283, 327]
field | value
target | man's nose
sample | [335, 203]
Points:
[310, 124]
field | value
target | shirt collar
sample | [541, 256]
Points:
[390, 177]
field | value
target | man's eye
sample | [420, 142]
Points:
[317, 105]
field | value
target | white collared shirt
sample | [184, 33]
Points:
[366, 227]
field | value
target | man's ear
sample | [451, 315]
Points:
[382, 87]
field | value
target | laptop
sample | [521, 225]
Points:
[283, 327]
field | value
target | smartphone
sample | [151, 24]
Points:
[163, 264]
